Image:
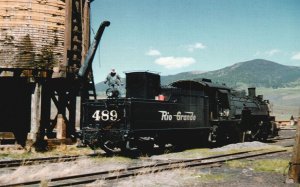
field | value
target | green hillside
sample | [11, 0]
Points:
[285, 102]
[257, 73]
[254, 73]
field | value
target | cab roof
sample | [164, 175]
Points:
[198, 84]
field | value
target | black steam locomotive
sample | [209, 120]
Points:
[182, 113]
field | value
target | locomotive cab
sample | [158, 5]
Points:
[218, 99]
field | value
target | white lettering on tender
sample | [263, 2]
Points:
[105, 115]
[165, 116]
[186, 116]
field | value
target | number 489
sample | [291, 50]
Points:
[105, 115]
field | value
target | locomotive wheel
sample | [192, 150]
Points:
[109, 147]
[234, 136]
[93, 145]
[227, 136]
[262, 131]
[145, 146]
[247, 136]
[265, 137]
[274, 130]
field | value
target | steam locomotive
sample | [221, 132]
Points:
[184, 112]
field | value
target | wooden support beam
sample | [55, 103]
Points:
[55, 101]
[68, 28]
[72, 113]
[35, 113]
[46, 109]
[294, 172]
[62, 100]
[61, 127]
[73, 45]
[85, 30]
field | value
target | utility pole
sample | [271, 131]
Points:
[294, 172]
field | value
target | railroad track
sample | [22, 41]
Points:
[288, 129]
[146, 169]
[283, 138]
[43, 160]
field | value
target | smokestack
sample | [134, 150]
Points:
[251, 92]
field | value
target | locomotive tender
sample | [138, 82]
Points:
[182, 113]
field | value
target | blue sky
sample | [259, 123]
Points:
[173, 36]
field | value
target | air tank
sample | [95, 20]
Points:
[32, 33]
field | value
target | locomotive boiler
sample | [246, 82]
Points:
[185, 112]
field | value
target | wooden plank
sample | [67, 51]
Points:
[49, 2]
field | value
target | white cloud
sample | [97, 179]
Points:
[192, 48]
[175, 62]
[153, 52]
[272, 52]
[296, 56]
[257, 53]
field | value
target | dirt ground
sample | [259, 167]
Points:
[208, 177]
[221, 175]
[224, 175]
[241, 177]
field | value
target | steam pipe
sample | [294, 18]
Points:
[83, 71]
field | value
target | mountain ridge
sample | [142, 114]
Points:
[254, 73]
[257, 73]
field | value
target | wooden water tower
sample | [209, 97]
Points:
[42, 46]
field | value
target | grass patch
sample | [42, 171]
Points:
[272, 165]
[228, 149]
[238, 164]
[115, 159]
[264, 165]
[196, 152]
[241, 147]
[68, 150]
[60, 150]
[208, 152]
[16, 155]
[3, 155]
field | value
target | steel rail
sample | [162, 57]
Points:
[288, 129]
[33, 161]
[283, 138]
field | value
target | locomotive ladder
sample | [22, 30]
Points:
[91, 86]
